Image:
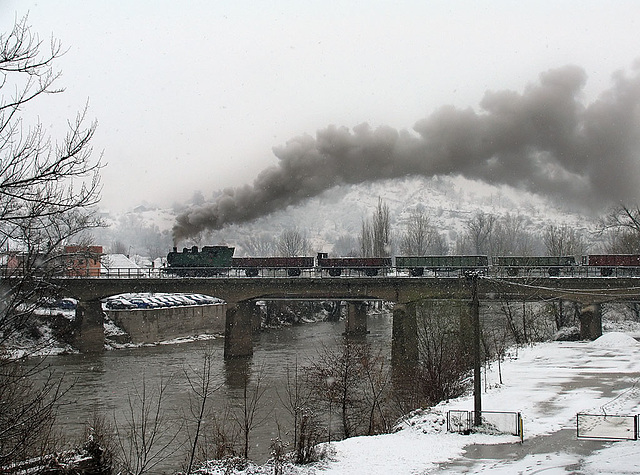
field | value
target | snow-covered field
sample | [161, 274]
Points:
[549, 383]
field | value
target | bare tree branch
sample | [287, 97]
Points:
[46, 190]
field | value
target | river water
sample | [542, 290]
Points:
[104, 382]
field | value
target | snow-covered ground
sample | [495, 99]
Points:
[549, 383]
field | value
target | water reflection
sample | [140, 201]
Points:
[237, 372]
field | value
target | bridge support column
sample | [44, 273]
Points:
[590, 321]
[356, 322]
[404, 338]
[238, 331]
[90, 333]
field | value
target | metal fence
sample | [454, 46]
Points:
[496, 422]
[588, 426]
[459, 421]
[607, 426]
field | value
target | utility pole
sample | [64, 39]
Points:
[475, 316]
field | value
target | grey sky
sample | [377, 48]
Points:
[194, 95]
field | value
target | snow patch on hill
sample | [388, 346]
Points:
[340, 211]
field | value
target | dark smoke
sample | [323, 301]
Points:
[544, 140]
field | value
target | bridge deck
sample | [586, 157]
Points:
[397, 288]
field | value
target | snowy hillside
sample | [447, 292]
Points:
[339, 212]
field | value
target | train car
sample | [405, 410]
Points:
[252, 266]
[208, 261]
[457, 265]
[369, 266]
[514, 265]
[622, 264]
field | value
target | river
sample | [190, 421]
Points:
[104, 382]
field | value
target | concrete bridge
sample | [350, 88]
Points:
[241, 293]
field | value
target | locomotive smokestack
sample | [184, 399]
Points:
[542, 140]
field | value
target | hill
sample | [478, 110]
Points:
[337, 215]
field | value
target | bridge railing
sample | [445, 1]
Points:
[501, 272]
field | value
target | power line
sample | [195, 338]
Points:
[603, 292]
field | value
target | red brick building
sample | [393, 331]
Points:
[83, 261]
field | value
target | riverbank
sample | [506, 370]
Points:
[549, 383]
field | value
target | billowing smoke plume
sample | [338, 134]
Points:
[544, 140]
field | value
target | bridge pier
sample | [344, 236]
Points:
[356, 322]
[404, 338]
[90, 318]
[238, 333]
[590, 321]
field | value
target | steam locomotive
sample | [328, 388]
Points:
[219, 260]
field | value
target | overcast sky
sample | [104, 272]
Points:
[194, 95]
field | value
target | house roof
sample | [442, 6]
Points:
[118, 261]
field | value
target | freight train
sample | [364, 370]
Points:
[219, 260]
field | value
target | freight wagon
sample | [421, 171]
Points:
[622, 264]
[456, 265]
[514, 265]
[369, 266]
[252, 266]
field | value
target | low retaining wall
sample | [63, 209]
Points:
[159, 324]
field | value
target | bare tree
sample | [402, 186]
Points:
[421, 237]
[487, 234]
[305, 422]
[333, 377]
[46, 189]
[27, 413]
[148, 437]
[376, 392]
[564, 241]
[443, 360]
[224, 435]
[479, 231]
[99, 442]
[375, 237]
[511, 237]
[622, 241]
[622, 226]
[624, 217]
[259, 245]
[496, 337]
[202, 388]
[354, 382]
[366, 239]
[246, 415]
[508, 309]
[292, 243]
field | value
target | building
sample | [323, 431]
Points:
[82, 261]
